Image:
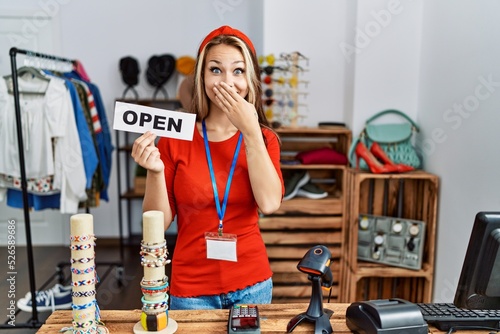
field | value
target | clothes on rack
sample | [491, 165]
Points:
[89, 152]
[102, 132]
[63, 152]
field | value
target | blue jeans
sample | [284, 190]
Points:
[260, 293]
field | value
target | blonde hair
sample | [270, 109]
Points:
[200, 99]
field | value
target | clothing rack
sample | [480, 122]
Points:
[34, 322]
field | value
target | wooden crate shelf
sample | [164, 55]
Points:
[296, 252]
[324, 206]
[416, 288]
[411, 195]
[367, 270]
[301, 223]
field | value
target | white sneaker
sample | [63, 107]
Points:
[312, 191]
[294, 183]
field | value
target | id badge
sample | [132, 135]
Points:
[221, 247]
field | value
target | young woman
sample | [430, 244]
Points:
[216, 184]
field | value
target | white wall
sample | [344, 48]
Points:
[387, 60]
[460, 52]
[133, 28]
[423, 59]
[315, 29]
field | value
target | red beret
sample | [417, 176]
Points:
[227, 30]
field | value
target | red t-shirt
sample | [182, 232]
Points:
[191, 198]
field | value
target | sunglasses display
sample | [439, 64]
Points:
[283, 87]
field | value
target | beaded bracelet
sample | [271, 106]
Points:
[84, 282]
[81, 238]
[148, 249]
[148, 283]
[146, 302]
[162, 245]
[84, 271]
[160, 262]
[156, 252]
[155, 287]
[155, 245]
[81, 247]
[157, 306]
[154, 304]
[82, 260]
[155, 256]
[162, 298]
[148, 255]
[151, 292]
[89, 293]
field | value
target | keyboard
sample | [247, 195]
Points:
[443, 316]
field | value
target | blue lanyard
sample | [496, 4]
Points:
[221, 211]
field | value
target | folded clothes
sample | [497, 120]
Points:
[323, 155]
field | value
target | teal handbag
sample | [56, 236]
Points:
[394, 138]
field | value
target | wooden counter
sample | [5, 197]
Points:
[274, 319]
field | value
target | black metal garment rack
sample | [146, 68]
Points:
[34, 322]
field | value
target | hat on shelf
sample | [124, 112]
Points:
[160, 69]
[185, 65]
[129, 68]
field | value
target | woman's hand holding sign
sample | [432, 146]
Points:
[146, 154]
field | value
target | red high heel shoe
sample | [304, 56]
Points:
[379, 153]
[375, 166]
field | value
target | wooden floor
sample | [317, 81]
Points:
[48, 261]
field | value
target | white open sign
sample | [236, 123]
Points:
[164, 123]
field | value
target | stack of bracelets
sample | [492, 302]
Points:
[154, 284]
[86, 317]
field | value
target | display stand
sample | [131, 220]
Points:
[294, 114]
[86, 316]
[154, 285]
[34, 321]
[281, 88]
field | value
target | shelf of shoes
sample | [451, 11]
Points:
[312, 213]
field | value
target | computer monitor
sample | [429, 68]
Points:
[479, 284]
